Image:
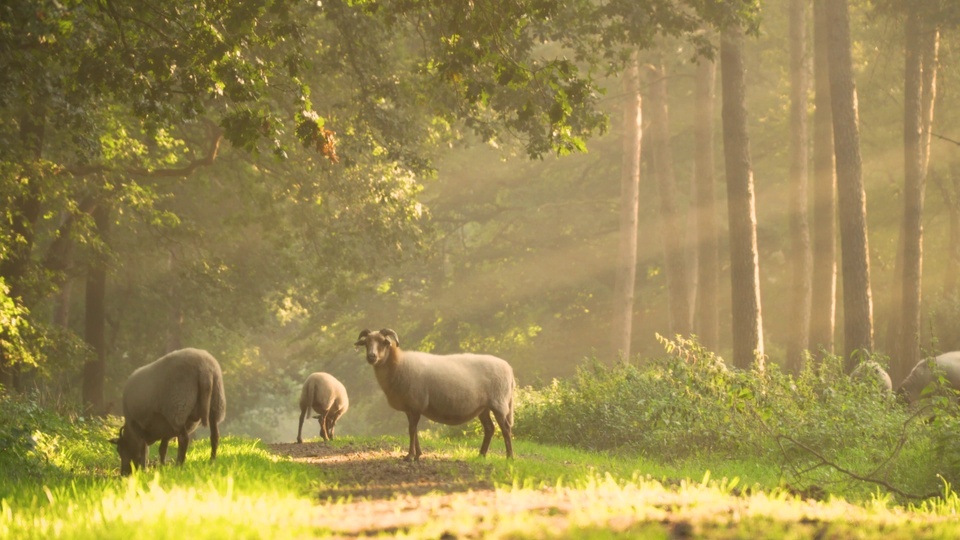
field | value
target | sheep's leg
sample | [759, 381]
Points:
[214, 439]
[183, 440]
[163, 450]
[505, 428]
[332, 422]
[303, 413]
[413, 418]
[323, 425]
[487, 424]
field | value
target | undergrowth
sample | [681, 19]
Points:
[826, 432]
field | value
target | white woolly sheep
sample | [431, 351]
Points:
[926, 371]
[871, 371]
[328, 398]
[169, 398]
[450, 389]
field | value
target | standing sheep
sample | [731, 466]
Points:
[170, 398]
[926, 371]
[451, 389]
[328, 398]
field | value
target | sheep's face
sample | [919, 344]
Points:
[132, 450]
[377, 345]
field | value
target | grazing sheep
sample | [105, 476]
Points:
[451, 389]
[871, 371]
[170, 398]
[926, 371]
[329, 400]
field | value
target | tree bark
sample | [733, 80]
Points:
[708, 225]
[95, 320]
[629, 208]
[823, 305]
[671, 231]
[913, 191]
[741, 206]
[851, 198]
[801, 257]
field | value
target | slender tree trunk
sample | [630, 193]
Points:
[629, 209]
[930, 43]
[708, 225]
[802, 258]
[913, 194]
[741, 207]
[851, 198]
[672, 222]
[824, 288]
[95, 320]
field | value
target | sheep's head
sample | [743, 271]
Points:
[132, 450]
[378, 344]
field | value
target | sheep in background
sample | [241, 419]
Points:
[450, 389]
[871, 371]
[328, 398]
[169, 398]
[926, 371]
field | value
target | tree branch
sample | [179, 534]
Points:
[176, 172]
[942, 138]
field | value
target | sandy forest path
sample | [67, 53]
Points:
[384, 494]
[367, 490]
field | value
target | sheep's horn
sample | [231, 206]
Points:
[386, 332]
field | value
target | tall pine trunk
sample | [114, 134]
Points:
[851, 198]
[629, 209]
[741, 206]
[913, 192]
[708, 225]
[95, 320]
[801, 257]
[823, 306]
[671, 230]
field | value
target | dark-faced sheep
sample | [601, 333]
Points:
[926, 371]
[169, 398]
[328, 398]
[449, 389]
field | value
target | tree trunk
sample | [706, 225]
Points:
[823, 305]
[741, 207]
[950, 190]
[629, 208]
[708, 225]
[929, 60]
[95, 320]
[801, 257]
[913, 191]
[671, 231]
[851, 198]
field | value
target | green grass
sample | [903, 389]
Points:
[251, 493]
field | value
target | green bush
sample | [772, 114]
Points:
[818, 427]
[40, 444]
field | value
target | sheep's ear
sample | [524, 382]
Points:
[390, 334]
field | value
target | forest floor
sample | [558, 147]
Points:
[366, 489]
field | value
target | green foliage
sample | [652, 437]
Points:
[690, 405]
[43, 445]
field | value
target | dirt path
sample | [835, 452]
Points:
[367, 490]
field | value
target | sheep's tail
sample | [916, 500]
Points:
[513, 388]
[206, 387]
[306, 397]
